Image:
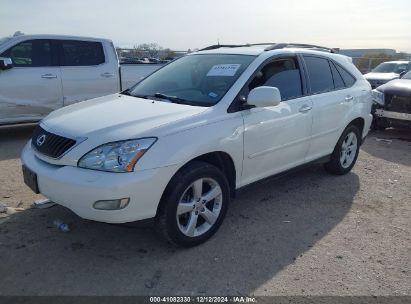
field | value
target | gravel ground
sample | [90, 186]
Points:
[308, 233]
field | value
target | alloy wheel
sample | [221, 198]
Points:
[199, 207]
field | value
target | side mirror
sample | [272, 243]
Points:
[5, 63]
[264, 97]
[402, 74]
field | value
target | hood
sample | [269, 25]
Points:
[117, 116]
[381, 76]
[399, 87]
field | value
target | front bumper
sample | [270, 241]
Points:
[78, 189]
[393, 115]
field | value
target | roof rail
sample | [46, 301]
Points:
[301, 45]
[274, 46]
[217, 46]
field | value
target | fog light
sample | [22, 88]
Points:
[111, 204]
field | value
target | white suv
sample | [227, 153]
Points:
[177, 145]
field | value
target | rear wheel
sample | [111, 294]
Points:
[194, 205]
[345, 152]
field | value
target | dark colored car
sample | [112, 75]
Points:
[392, 103]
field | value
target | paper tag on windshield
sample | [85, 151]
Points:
[223, 69]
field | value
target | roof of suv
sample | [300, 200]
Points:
[258, 50]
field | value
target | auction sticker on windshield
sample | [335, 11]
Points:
[223, 69]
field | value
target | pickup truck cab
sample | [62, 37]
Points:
[177, 145]
[41, 73]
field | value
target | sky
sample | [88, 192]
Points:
[183, 24]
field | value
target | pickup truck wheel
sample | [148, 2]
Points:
[193, 205]
[345, 152]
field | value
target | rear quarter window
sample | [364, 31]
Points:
[349, 80]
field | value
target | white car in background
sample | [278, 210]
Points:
[41, 73]
[387, 71]
[176, 146]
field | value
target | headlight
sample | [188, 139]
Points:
[378, 97]
[120, 156]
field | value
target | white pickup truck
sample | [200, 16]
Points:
[40, 73]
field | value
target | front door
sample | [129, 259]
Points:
[277, 138]
[32, 88]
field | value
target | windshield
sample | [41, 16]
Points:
[407, 76]
[391, 68]
[199, 80]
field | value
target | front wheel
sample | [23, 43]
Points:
[193, 205]
[345, 152]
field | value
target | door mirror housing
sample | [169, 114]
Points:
[261, 97]
[5, 63]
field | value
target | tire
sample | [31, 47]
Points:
[379, 124]
[342, 159]
[202, 208]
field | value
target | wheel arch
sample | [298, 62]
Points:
[359, 122]
[221, 160]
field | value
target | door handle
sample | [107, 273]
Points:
[305, 108]
[348, 98]
[107, 74]
[48, 76]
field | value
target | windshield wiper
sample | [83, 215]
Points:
[126, 92]
[173, 99]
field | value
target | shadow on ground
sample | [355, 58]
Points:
[268, 226]
[389, 145]
[13, 138]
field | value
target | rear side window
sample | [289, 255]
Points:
[30, 53]
[349, 80]
[81, 53]
[320, 75]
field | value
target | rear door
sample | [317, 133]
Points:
[87, 70]
[333, 98]
[32, 88]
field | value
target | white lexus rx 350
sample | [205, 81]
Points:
[177, 145]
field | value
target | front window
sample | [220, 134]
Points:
[30, 53]
[199, 80]
[390, 68]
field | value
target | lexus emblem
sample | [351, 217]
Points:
[41, 139]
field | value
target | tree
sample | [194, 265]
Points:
[168, 54]
[148, 50]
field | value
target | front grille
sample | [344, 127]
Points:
[401, 104]
[50, 144]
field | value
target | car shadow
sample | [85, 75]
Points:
[268, 227]
[13, 138]
[389, 145]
